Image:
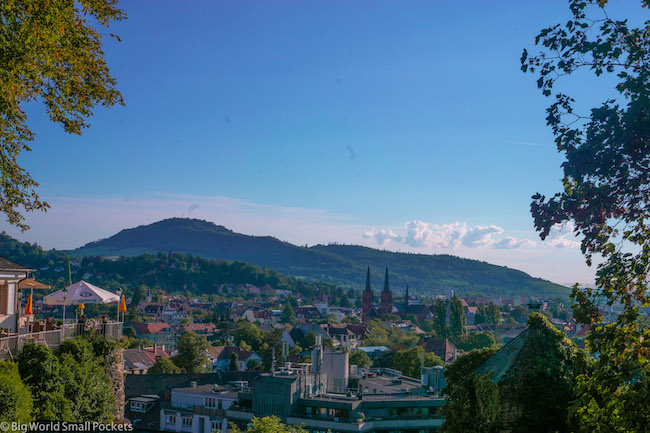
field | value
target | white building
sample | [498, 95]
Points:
[198, 409]
[10, 276]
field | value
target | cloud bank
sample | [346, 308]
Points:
[420, 234]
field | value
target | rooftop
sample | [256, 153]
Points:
[8, 265]
[209, 389]
[381, 384]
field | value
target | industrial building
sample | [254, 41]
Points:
[324, 395]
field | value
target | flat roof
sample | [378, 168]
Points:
[208, 389]
[144, 399]
[388, 384]
[372, 348]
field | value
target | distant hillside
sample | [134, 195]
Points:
[175, 272]
[337, 264]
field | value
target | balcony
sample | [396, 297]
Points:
[326, 424]
[11, 345]
[323, 422]
[240, 414]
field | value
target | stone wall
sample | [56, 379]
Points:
[114, 366]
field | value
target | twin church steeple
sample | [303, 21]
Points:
[386, 305]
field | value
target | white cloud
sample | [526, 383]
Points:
[509, 243]
[419, 234]
[480, 236]
[382, 236]
[562, 236]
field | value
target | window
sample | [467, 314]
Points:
[4, 299]
[210, 402]
[220, 404]
[187, 421]
[171, 418]
[216, 425]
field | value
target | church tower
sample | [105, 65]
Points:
[368, 296]
[386, 297]
[407, 298]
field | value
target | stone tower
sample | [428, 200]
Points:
[386, 297]
[368, 296]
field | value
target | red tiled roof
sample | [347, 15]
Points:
[152, 328]
[141, 358]
[223, 352]
[442, 347]
[215, 351]
[207, 327]
[583, 331]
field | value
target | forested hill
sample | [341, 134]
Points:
[343, 265]
[171, 272]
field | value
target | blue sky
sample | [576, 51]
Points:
[400, 125]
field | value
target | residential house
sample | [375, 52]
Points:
[347, 334]
[160, 334]
[143, 412]
[151, 309]
[220, 356]
[10, 276]
[174, 315]
[140, 360]
[301, 330]
[198, 409]
[306, 313]
[441, 347]
[147, 394]
[206, 329]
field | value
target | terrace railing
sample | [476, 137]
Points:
[11, 345]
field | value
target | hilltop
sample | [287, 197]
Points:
[343, 265]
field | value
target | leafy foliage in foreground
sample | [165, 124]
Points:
[51, 52]
[15, 399]
[268, 424]
[533, 395]
[606, 193]
[69, 385]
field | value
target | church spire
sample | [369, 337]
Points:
[386, 305]
[406, 297]
[368, 279]
[386, 283]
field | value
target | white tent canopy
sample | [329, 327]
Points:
[81, 293]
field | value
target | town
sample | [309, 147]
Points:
[324, 216]
[373, 362]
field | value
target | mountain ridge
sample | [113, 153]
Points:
[343, 265]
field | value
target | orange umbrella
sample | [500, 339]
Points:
[32, 284]
[122, 307]
[29, 308]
